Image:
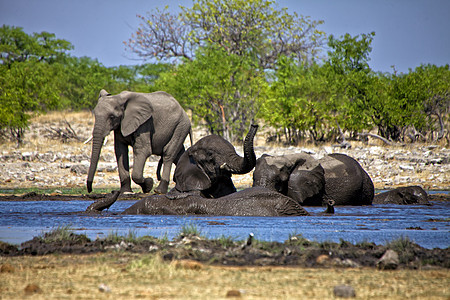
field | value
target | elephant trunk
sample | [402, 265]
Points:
[246, 164]
[97, 143]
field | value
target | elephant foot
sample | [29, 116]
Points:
[125, 186]
[147, 185]
[162, 187]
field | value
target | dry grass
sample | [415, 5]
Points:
[131, 276]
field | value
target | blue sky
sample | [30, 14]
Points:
[408, 32]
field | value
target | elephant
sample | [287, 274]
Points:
[335, 177]
[207, 166]
[403, 195]
[152, 123]
[257, 201]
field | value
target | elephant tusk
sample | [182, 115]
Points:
[88, 140]
[224, 166]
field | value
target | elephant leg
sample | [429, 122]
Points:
[123, 166]
[137, 175]
[170, 156]
[165, 177]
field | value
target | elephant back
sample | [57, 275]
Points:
[346, 181]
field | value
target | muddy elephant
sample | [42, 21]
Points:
[257, 201]
[403, 196]
[152, 123]
[207, 166]
[335, 177]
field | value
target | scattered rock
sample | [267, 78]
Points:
[344, 291]
[322, 259]
[389, 260]
[233, 293]
[104, 288]
[187, 264]
[79, 169]
[32, 289]
[7, 268]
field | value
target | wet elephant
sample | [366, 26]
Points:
[257, 201]
[207, 166]
[335, 177]
[403, 195]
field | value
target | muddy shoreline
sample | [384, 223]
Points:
[296, 251]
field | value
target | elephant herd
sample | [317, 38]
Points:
[155, 123]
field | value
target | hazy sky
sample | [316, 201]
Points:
[408, 32]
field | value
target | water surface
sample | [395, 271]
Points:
[428, 226]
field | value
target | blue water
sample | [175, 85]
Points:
[22, 220]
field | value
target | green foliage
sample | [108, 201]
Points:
[225, 95]
[297, 101]
[189, 229]
[63, 234]
[225, 47]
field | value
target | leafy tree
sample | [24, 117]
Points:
[25, 88]
[226, 43]
[27, 76]
[223, 95]
[17, 46]
[241, 27]
[298, 101]
[352, 80]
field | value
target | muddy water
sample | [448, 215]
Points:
[429, 226]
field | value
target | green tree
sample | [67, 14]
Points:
[17, 46]
[248, 36]
[298, 101]
[27, 76]
[352, 80]
[26, 88]
[223, 95]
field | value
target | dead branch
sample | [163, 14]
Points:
[363, 134]
[63, 134]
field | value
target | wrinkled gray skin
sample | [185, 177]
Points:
[249, 202]
[207, 166]
[336, 177]
[152, 123]
[403, 196]
[346, 182]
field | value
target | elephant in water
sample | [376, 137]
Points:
[403, 196]
[153, 123]
[335, 178]
[207, 166]
[257, 201]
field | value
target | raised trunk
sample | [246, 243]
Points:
[97, 143]
[246, 164]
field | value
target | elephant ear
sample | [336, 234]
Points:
[103, 93]
[189, 176]
[138, 110]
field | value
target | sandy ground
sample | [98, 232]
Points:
[44, 161]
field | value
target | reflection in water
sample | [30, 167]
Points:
[428, 226]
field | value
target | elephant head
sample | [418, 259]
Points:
[207, 166]
[123, 112]
[273, 172]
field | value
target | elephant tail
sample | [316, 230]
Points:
[191, 137]
[158, 169]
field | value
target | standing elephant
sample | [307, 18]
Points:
[152, 123]
[207, 166]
